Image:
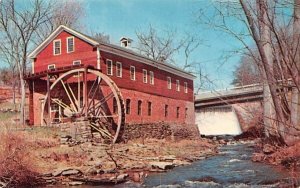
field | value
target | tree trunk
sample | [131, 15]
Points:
[295, 96]
[14, 93]
[262, 40]
[22, 106]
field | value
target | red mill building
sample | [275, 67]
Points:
[75, 77]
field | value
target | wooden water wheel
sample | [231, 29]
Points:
[85, 94]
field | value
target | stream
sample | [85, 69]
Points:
[231, 168]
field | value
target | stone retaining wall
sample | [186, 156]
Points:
[79, 132]
[75, 132]
[161, 130]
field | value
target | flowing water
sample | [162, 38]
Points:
[218, 121]
[231, 168]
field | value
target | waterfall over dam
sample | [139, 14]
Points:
[218, 121]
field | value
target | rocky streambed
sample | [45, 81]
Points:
[99, 164]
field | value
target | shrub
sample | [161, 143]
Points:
[17, 166]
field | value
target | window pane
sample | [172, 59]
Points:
[177, 85]
[109, 67]
[149, 108]
[57, 47]
[166, 110]
[119, 69]
[185, 87]
[151, 78]
[139, 107]
[144, 76]
[132, 72]
[70, 45]
[169, 82]
[127, 106]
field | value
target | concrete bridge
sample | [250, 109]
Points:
[234, 95]
[229, 111]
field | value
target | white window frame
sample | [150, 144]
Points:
[145, 75]
[133, 73]
[169, 82]
[177, 85]
[119, 63]
[57, 40]
[68, 44]
[185, 87]
[112, 67]
[151, 73]
[77, 61]
[51, 65]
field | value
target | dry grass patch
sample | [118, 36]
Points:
[17, 166]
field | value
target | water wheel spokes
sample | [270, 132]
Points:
[86, 94]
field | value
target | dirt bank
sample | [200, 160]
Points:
[96, 163]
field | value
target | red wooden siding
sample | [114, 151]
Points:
[82, 51]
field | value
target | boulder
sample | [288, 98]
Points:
[66, 172]
[75, 183]
[122, 177]
[70, 172]
[162, 165]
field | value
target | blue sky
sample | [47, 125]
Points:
[124, 17]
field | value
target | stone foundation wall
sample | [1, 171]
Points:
[79, 132]
[75, 132]
[161, 130]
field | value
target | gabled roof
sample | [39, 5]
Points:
[54, 34]
[112, 49]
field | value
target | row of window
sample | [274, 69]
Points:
[149, 108]
[57, 45]
[110, 71]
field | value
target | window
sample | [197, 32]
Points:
[186, 112]
[169, 82]
[145, 76]
[57, 47]
[70, 44]
[132, 72]
[151, 77]
[166, 110]
[139, 112]
[149, 108]
[109, 65]
[177, 85]
[119, 69]
[127, 106]
[51, 67]
[77, 62]
[115, 106]
[185, 87]
[177, 112]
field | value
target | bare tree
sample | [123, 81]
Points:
[17, 30]
[276, 41]
[62, 12]
[23, 27]
[159, 47]
[101, 37]
[247, 72]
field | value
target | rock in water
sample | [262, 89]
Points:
[162, 165]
